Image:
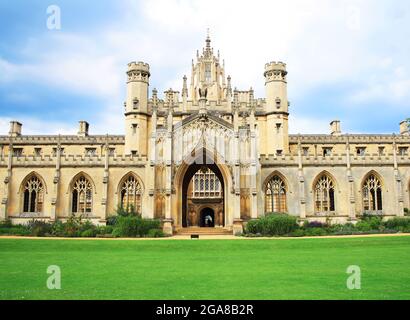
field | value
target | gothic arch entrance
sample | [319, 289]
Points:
[194, 207]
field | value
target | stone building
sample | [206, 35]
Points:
[208, 156]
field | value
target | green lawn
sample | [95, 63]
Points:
[206, 269]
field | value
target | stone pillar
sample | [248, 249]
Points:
[106, 179]
[254, 159]
[184, 94]
[301, 179]
[350, 181]
[149, 198]
[237, 221]
[168, 222]
[398, 184]
[7, 185]
[56, 183]
[153, 150]
[150, 171]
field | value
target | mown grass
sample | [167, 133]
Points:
[206, 269]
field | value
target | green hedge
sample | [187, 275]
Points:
[134, 226]
[398, 223]
[285, 225]
[16, 230]
[273, 225]
[125, 226]
[369, 223]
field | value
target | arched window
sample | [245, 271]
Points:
[131, 193]
[206, 185]
[275, 195]
[81, 196]
[33, 195]
[372, 194]
[324, 195]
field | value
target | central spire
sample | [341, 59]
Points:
[208, 73]
[208, 39]
[208, 49]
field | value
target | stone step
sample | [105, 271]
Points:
[203, 231]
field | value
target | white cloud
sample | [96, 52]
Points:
[36, 126]
[359, 43]
[391, 85]
[62, 65]
[306, 125]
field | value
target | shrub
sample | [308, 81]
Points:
[6, 224]
[315, 232]
[73, 227]
[273, 225]
[252, 227]
[104, 230]
[15, 230]
[126, 212]
[368, 223]
[126, 227]
[122, 212]
[87, 225]
[363, 226]
[112, 220]
[399, 224]
[134, 226]
[146, 225]
[39, 228]
[342, 229]
[314, 224]
[155, 233]
[298, 233]
[89, 233]
[57, 229]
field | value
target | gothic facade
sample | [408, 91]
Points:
[208, 156]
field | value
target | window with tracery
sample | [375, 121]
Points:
[82, 196]
[324, 195]
[33, 195]
[206, 185]
[275, 195]
[372, 194]
[131, 193]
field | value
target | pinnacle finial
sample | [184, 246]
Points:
[208, 39]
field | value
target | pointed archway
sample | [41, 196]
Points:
[198, 159]
[190, 172]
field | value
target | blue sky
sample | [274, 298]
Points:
[348, 60]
